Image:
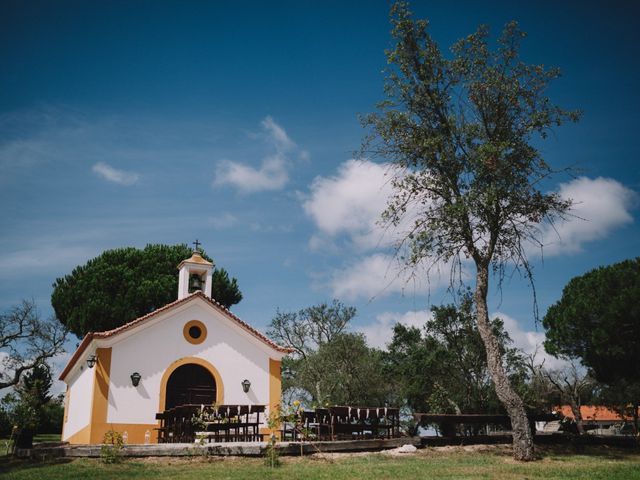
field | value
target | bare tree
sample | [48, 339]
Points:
[27, 341]
[571, 383]
[306, 330]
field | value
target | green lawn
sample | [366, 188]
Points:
[6, 442]
[453, 463]
[47, 437]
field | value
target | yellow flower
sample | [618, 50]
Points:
[296, 403]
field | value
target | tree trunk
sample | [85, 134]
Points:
[577, 415]
[522, 437]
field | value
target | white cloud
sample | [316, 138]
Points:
[273, 171]
[21, 154]
[374, 275]
[530, 342]
[304, 156]
[42, 138]
[380, 333]
[63, 142]
[380, 275]
[43, 256]
[346, 209]
[114, 175]
[351, 203]
[5, 369]
[277, 135]
[272, 175]
[600, 206]
[223, 221]
[57, 364]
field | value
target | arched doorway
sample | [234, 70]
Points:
[190, 384]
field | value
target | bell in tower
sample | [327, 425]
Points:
[195, 283]
[195, 274]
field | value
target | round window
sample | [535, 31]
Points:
[194, 332]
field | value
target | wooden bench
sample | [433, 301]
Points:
[447, 422]
[364, 422]
[224, 423]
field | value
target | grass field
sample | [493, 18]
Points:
[442, 463]
[6, 442]
[46, 437]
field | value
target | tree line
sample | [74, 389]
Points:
[439, 367]
[442, 367]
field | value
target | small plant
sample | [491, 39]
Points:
[111, 450]
[199, 447]
[10, 444]
[271, 455]
[292, 415]
[199, 420]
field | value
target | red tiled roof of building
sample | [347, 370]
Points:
[127, 326]
[593, 412]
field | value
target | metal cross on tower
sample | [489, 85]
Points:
[197, 244]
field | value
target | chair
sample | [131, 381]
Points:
[322, 424]
[340, 423]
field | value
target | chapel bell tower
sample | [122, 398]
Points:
[195, 272]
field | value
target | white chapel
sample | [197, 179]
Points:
[191, 351]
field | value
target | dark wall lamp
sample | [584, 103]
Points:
[246, 385]
[135, 378]
[91, 361]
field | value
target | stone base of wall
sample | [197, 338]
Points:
[250, 449]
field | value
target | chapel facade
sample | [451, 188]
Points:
[191, 351]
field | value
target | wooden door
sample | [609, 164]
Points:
[190, 384]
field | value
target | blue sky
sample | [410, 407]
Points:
[127, 123]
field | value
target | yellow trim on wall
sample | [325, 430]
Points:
[81, 437]
[185, 361]
[65, 418]
[266, 432]
[135, 431]
[100, 402]
[67, 398]
[189, 338]
[275, 385]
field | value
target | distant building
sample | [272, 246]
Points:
[596, 417]
[191, 351]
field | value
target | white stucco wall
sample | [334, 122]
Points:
[153, 347]
[80, 390]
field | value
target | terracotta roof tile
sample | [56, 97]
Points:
[127, 326]
[593, 412]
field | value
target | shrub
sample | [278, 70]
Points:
[111, 450]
